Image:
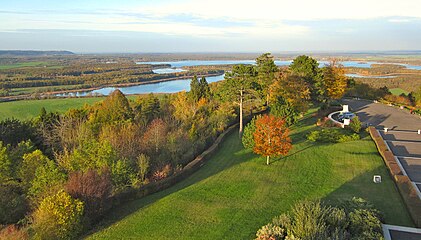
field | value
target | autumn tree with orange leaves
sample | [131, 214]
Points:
[271, 137]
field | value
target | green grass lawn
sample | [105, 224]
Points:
[27, 109]
[398, 91]
[235, 193]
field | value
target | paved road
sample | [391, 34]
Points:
[380, 115]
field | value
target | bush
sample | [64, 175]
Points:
[311, 220]
[121, 174]
[30, 163]
[13, 204]
[248, 137]
[47, 179]
[355, 124]
[332, 135]
[12, 232]
[163, 173]
[270, 232]
[93, 189]
[143, 163]
[58, 217]
[365, 224]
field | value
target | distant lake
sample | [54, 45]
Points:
[366, 76]
[168, 70]
[189, 63]
[162, 87]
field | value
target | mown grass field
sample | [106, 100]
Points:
[235, 193]
[398, 91]
[26, 64]
[27, 109]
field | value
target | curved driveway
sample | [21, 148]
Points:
[380, 115]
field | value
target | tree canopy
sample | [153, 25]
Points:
[271, 137]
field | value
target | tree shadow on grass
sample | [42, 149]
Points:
[228, 155]
[384, 196]
[277, 159]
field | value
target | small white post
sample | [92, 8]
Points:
[385, 129]
[419, 131]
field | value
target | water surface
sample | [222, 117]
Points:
[162, 87]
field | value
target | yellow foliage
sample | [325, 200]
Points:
[58, 217]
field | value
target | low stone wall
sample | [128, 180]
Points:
[403, 183]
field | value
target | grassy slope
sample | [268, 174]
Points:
[27, 109]
[235, 192]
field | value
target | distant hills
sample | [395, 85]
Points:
[33, 53]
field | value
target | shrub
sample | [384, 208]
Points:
[163, 173]
[5, 164]
[121, 174]
[365, 224]
[311, 220]
[348, 138]
[12, 232]
[355, 124]
[142, 166]
[93, 189]
[270, 232]
[47, 179]
[58, 217]
[248, 137]
[332, 135]
[30, 163]
[13, 204]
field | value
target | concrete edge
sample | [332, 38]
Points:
[333, 120]
[386, 230]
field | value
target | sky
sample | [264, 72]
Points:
[144, 26]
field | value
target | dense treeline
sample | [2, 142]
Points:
[60, 172]
[88, 74]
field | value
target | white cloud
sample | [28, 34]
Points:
[291, 9]
[264, 18]
[399, 20]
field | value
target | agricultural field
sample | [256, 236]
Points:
[235, 192]
[23, 64]
[27, 109]
[398, 91]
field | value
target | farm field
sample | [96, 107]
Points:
[27, 109]
[27, 64]
[235, 193]
[398, 91]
